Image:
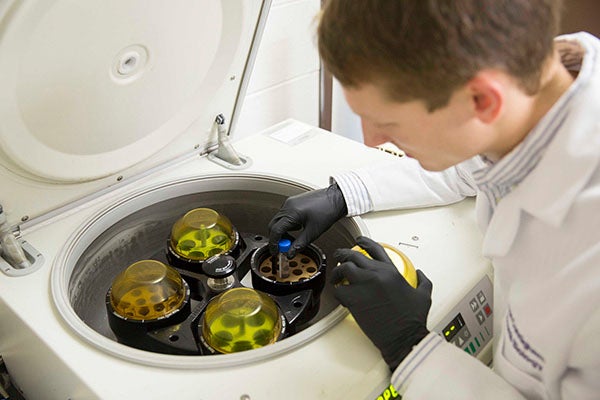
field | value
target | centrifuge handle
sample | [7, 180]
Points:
[225, 151]
[11, 249]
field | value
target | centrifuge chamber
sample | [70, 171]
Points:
[107, 114]
[136, 227]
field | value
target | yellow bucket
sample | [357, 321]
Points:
[400, 260]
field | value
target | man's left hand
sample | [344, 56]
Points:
[390, 312]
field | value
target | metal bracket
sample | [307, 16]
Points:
[35, 258]
[225, 155]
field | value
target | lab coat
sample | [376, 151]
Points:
[543, 239]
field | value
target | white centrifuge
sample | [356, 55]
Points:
[108, 137]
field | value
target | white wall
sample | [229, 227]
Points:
[285, 80]
[343, 121]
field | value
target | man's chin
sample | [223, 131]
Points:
[432, 167]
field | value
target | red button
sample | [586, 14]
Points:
[487, 310]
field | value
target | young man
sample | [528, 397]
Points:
[482, 93]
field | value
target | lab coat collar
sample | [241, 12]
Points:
[550, 189]
[572, 157]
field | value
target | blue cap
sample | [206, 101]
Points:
[284, 245]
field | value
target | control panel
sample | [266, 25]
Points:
[469, 324]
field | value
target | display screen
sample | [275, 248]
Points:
[453, 327]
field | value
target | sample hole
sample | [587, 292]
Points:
[293, 264]
[199, 234]
[311, 269]
[262, 337]
[256, 320]
[196, 254]
[136, 292]
[305, 260]
[215, 251]
[219, 239]
[265, 269]
[144, 311]
[229, 321]
[297, 272]
[155, 299]
[187, 245]
[140, 302]
[159, 307]
[242, 345]
[174, 338]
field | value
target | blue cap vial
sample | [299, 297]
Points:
[284, 245]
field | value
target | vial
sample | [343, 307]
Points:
[283, 270]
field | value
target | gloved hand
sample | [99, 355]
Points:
[389, 311]
[314, 212]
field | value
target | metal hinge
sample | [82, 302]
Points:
[225, 155]
[17, 256]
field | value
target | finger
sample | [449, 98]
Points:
[277, 228]
[299, 244]
[348, 255]
[424, 284]
[345, 295]
[348, 273]
[375, 250]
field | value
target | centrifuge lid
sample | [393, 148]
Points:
[95, 91]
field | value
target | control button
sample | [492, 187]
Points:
[481, 297]
[472, 347]
[480, 317]
[487, 309]
[474, 305]
[460, 341]
[466, 334]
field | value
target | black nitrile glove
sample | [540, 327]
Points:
[389, 311]
[314, 212]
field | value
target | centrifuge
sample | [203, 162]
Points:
[133, 232]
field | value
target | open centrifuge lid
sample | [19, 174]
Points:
[94, 92]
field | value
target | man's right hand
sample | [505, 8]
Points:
[312, 212]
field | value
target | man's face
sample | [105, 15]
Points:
[438, 140]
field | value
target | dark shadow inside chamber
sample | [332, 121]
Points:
[144, 233]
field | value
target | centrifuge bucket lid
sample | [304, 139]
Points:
[91, 92]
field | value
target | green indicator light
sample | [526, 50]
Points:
[477, 341]
[472, 347]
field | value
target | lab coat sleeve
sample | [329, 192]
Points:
[402, 183]
[436, 369]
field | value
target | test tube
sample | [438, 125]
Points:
[203, 235]
[283, 270]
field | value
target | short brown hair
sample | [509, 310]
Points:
[425, 49]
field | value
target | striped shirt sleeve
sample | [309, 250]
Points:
[355, 193]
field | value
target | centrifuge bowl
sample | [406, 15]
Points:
[137, 226]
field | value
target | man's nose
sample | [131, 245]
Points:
[371, 135]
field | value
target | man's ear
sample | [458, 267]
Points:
[487, 94]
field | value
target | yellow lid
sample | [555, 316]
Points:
[147, 290]
[202, 233]
[241, 319]
[400, 260]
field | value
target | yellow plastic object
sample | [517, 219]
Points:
[400, 260]
[241, 319]
[147, 290]
[202, 233]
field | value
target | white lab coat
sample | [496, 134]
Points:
[544, 242]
